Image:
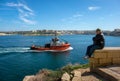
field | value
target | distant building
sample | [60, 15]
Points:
[117, 30]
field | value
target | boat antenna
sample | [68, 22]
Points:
[65, 40]
[56, 34]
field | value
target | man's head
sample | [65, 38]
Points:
[98, 31]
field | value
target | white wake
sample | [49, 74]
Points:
[14, 49]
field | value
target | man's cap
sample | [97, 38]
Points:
[98, 29]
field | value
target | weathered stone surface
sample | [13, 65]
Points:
[94, 60]
[40, 76]
[107, 61]
[111, 73]
[114, 54]
[110, 51]
[90, 76]
[111, 48]
[65, 77]
[104, 57]
[29, 78]
[100, 55]
[116, 61]
[76, 79]
[77, 73]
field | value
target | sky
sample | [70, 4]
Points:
[22, 15]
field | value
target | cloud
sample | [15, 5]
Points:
[77, 15]
[92, 8]
[73, 18]
[19, 5]
[11, 4]
[27, 20]
[25, 13]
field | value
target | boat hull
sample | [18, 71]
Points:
[63, 47]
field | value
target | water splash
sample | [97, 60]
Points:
[14, 49]
[25, 49]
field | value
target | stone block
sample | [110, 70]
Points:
[29, 78]
[65, 77]
[94, 65]
[94, 60]
[107, 60]
[76, 79]
[116, 61]
[104, 57]
[100, 54]
[113, 54]
[110, 73]
[103, 62]
[77, 73]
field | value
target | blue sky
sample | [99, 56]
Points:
[17, 15]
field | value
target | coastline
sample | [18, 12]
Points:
[3, 34]
[54, 75]
[115, 32]
[69, 72]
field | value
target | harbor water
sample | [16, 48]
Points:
[17, 60]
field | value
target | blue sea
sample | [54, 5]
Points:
[16, 60]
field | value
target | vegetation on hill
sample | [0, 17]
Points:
[116, 32]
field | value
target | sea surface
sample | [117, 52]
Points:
[16, 60]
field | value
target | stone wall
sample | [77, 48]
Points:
[104, 57]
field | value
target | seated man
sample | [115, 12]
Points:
[98, 43]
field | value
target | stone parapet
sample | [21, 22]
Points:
[104, 57]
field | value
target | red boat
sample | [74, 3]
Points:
[54, 46]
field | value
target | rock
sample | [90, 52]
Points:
[29, 78]
[41, 75]
[76, 73]
[43, 71]
[76, 79]
[65, 77]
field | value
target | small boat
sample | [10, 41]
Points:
[54, 46]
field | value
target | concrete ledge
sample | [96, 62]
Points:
[111, 73]
[107, 52]
[105, 56]
[109, 48]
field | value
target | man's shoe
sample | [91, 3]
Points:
[86, 57]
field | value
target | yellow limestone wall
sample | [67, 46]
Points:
[104, 57]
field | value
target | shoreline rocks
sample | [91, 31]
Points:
[65, 77]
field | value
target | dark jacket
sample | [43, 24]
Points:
[99, 40]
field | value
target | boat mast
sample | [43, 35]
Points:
[56, 34]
